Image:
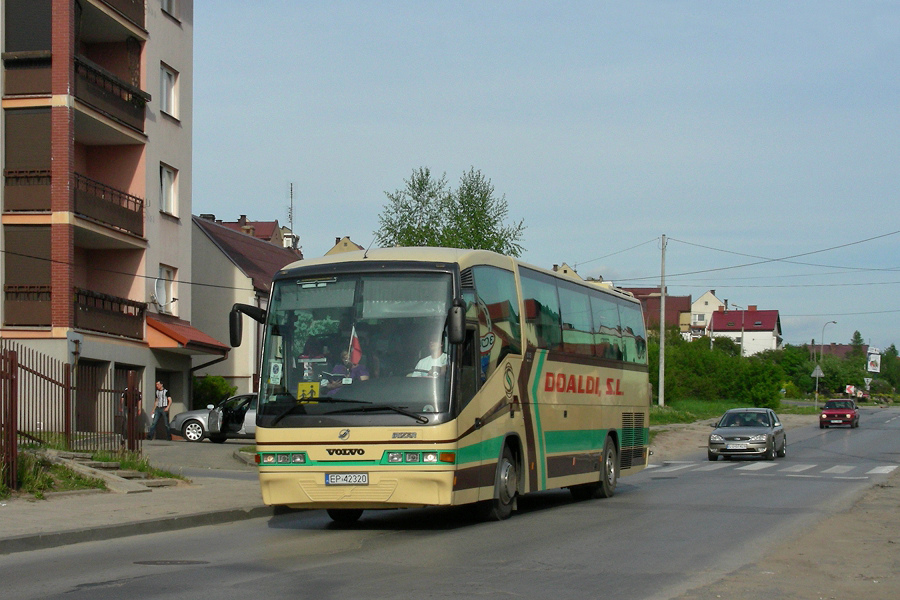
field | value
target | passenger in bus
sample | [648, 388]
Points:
[345, 369]
[434, 364]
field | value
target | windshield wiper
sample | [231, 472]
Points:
[302, 404]
[377, 407]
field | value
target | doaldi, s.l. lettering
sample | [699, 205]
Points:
[345, 451]
[582, 384]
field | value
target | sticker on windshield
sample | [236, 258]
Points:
[276, 371]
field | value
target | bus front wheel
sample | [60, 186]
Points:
[506, 484]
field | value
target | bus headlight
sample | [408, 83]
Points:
[429, 457]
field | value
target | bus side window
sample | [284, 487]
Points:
[469, 378]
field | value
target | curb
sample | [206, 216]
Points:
[43, 541]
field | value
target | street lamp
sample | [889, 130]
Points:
[742, 328]
[822, 340]
[818, 372]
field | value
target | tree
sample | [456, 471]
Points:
[416, 215]
[427, 213]
[211, 389]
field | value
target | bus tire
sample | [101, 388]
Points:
[609, 470]
[505, 486]
[345, 516]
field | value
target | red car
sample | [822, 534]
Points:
[839, 412]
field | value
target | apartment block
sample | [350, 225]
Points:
[96, 195]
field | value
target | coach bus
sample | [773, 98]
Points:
[413, 377]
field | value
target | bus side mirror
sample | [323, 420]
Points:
[234, 321]
[456, 322]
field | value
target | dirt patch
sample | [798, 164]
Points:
[853, 554]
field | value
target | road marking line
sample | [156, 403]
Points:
[882, 470]
[796, 468]
[838, 469]
[675, 468]
[713, 466]
[756, 467]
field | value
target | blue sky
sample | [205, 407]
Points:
[742, 131]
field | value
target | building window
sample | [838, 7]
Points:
[164, 294]
[168, 88]
[168, 189]
[169, 7]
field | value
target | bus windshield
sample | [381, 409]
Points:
[343, 349]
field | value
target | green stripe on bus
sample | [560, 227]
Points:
[479, 451]
[542, 454]
[580, 440]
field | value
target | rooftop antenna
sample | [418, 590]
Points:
[366, 253]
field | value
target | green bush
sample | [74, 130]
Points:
[210, 390]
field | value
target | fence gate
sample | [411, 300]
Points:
[46, 403]
[9, 450]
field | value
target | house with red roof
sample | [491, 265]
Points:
[752, 329]
[678, 309]
[232, 266]
[269, 231]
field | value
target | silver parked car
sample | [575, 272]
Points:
[234, 417]
[748, 432]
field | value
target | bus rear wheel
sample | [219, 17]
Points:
[505, 486]
[609, 470]
[609, 475]
[345, 516]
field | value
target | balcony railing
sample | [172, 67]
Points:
[27, 191]
[108, 205]
[110, 95]
[133, 10]
[26, 305]
[109, 314]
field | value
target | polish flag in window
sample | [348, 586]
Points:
[355, 349]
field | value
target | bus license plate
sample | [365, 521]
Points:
[346, 479]
[736, 447]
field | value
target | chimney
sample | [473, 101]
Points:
[208, 216]
[243, 220]
[337, 241]
[556, 267]
[751, 307]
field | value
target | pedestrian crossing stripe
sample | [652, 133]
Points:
[759, 466]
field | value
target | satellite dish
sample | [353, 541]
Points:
[159, 296]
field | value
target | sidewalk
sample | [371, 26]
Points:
[70, 518]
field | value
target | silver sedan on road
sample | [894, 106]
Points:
[756, 432]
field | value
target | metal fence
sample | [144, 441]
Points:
[44, 402]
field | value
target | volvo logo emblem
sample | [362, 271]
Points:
[344, 434]
[345, 451]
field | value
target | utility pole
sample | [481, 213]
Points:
[662, 326]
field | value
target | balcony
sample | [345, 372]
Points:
[109, 314]
[26, 305]
[133, 10]
[108, 205]
[103, 91]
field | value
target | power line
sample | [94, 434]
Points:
[128, 274]
[584, 262]
[786, 259]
